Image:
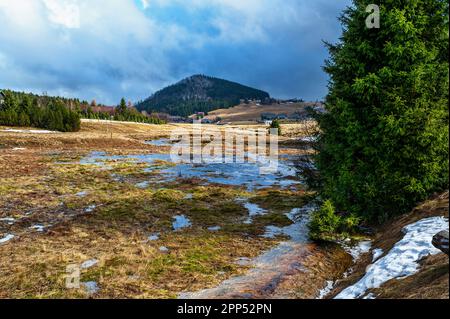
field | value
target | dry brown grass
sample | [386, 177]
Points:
[35, 188]
[252, 112]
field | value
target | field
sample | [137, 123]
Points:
[252, 112]
[99, 201]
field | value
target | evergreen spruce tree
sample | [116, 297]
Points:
[384, 142]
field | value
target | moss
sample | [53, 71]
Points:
[275, 219]
[168, 195]
[280, 200]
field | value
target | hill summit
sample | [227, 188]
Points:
[199, 93]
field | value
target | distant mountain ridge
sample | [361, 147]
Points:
[199, 93]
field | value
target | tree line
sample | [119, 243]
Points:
[60, 114]
[21, 109]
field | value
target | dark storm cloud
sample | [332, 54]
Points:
[106, 49]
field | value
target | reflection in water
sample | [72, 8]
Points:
[236, 174]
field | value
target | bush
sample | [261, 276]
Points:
[327, 225]
[276, 125]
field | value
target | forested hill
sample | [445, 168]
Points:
[199, 93]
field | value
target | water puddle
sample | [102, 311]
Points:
[295, 231]
[38, 228]
[159, 142]
[269, 269]
[181, 222]
[6, 238]
[8, 220]
[253, 211]
[91, 287]
[153, 237]
[233, 174]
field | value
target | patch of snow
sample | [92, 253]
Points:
[326, 290]
[89, 263]
[19, 149]
[7, 238]
[90, 208]
[8, 220]
[356, 251]
[377, 253]
[189, 196]
[215, 228]
[30, 131]
[402, 259]
[91, 287]
[309, 139]
[163, 249]
[181, 222]
[370, 296]
[38, 228]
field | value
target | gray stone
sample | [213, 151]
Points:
[440, 241]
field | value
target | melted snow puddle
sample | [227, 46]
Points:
[269, 269]
[91, 287]
[153, 237]
[8, 220]
[5, 239]
[159, 142]
[235, 174]
[181, 221]
[295, 231]
[402, 260]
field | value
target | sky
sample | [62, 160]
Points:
[108, 49]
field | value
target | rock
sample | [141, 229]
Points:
[440, 241]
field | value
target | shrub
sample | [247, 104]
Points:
[327, 225]
[276, 125]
